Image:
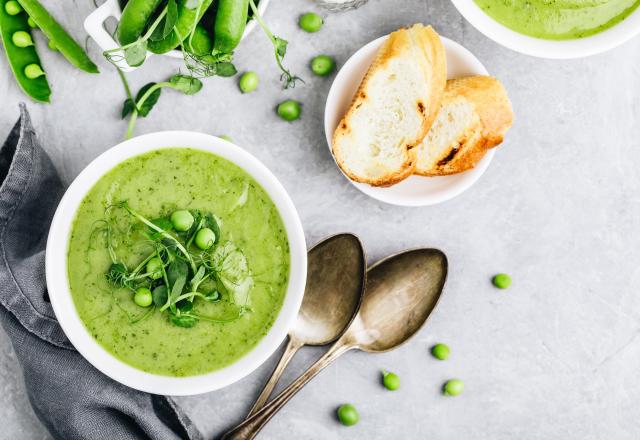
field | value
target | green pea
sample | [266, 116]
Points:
[248, 82]
[182, 220]
[12, 7]
[348, 415]
[226, 137]
[33, 71]
[22, 39]
[502, 281]
[143, 297]
[323, 65]
[289, 110]
[52, 45]
[310, 22]
[205, 238]
[453, 387]
[391, 381]
[440, 351]
[154, 268]
[32, 23]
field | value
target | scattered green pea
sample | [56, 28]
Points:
[12, 7]
[33, 71]
[348, 415]
[32, 23]
[310, 22]
[52, 45]
[440, 351]
[205, 238]
[226, 137]
[182, 220]
[502, 281]
[289, 110]
[248, 82]
[323, 65]
[22, 39]
[453, 387]
[391, 381]
[143, 297]
[154, 268]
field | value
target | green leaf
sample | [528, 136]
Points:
[152, 99]
[211, 223]
[281, 46]
[176, 290]
[171, 18]
[185, 321]
[213, 296]
[233, 271]
[225, 69]
[160, 295]
[136, 54]
[127, 108]
[177, 269]
[186, 84]
[185, 305]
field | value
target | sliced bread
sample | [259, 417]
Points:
[475, 115]
[395, 105]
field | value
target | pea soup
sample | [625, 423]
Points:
[178, 262]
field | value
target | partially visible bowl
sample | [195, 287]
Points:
[58, 283]
[558, 49]
[94, 25]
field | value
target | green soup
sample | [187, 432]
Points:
[558, 19]
[155, 185]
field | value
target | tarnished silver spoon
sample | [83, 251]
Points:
[335, 281]
[401, 292]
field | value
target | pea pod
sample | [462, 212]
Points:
[231, 20]
[135, 16]
[201, 43]
[20, 57]
[56, 33]
[187, 18]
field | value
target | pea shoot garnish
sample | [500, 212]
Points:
[185, 265]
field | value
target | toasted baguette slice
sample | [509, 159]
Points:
[475, 115]
[393, 108]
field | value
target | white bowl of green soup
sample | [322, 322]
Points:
[176, 263]
[554, 29]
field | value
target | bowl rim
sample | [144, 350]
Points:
[396, 194]
[552, 49]
[58, 283]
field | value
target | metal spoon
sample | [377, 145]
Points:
[400, 294]
[335, 281]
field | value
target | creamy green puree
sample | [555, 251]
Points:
[156, 184]
[558, 19]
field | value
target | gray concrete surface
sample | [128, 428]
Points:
[555, 357]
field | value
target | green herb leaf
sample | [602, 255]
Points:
[147, 105]
[127, 108]
[212, 223]
[160, 295]
[185, 321]
[186, 84]
[177, 269]
[280, 45]
[226, 69]
[171, 18]
[213, 296]
[136, 54]
[185, 305]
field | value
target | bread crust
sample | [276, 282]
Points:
[493, 108]
[433, 59]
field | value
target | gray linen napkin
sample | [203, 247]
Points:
[71, 398]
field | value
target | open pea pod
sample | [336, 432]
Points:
[21, 57]
[56, 33]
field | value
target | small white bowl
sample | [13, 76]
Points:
[558, 49]
[58, 283]
[94, 25]
[415, 190]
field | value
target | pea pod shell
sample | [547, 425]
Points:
[135, 17]
[56, 33]
[20, 57]
[201, 43]
[186, 19]
[231, 20]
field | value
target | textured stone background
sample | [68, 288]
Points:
[556, 356]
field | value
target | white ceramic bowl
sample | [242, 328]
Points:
[563, 49]
[94, 25]
[58, 283]
[415, 190]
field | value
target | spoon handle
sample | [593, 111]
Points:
[293, 345]
[248, 429]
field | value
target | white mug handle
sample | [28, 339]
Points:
[94, 25]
